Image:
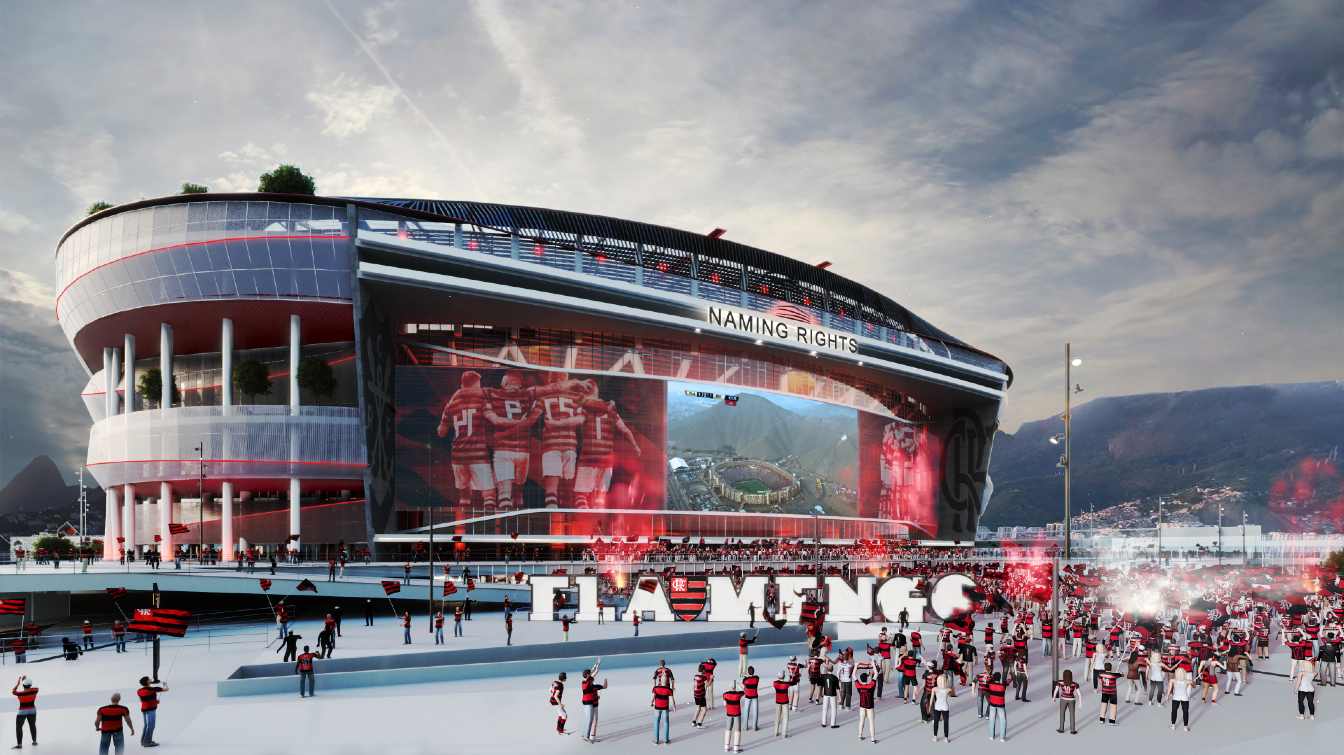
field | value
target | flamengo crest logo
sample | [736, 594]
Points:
[689, 595]
[721, 598]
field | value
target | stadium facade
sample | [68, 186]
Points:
[278, 368]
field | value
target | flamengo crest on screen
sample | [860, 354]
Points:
[685, 597]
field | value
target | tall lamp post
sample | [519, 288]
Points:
[429, 503]
[200, 503]
[1220, 534]
[1245, 555]
[1159, 530]
[1065, 461]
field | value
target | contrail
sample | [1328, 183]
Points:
[425, 119]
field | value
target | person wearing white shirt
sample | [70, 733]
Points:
[1179, 690]
[1305, 684]
[844, 671]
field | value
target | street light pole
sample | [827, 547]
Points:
[429, 503]
[200, 504]
[1220, 534]
[1159, 530]
[1245, 555]
[1067, 461]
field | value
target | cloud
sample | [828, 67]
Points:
[81, 159]
[1325, 136]
[377, 29]
[349, 106]
[40, 380]
[13, 222]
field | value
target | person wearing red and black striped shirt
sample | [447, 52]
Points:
[27, 695]
[108, 723]
[662, 713]
[558, 700]
[784, 686]
[909, 667]
[709, 665]
[814, 678]
[303, 666]
[589, 690]
[1109, 680]
[149, 708]
[996, 693]
[699, 688]
[751, 693]
[732, 710]
[867, 689]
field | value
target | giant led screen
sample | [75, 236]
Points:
[493, 440]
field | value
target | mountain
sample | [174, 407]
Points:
[1274, 447]
[37, 498]
[760, 428]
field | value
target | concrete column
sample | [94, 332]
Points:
[113, 382]
[166, 365]
[165, 516]
[294, 509]
[226, 364]
[109, 390]
[294, 365]
[226, 538]
[128, 516]
[111, 520]
[128, 370]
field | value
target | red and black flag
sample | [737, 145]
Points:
[12, 606]
[116, 593]
[306, 586]
[960, 622]
[169, 621]
[448, 588]
[391, 586]
[265, 585]
[688, 596]
[471, 584]
[648, 584]
[178, 529]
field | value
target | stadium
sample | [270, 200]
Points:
[298, 372]
[753, 482]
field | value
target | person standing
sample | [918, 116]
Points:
[662, 714]
[1020, 679]
[634, 619]
[406, 628]
[564, 628]
[830, 689]
[336, 611]
[508, 625]
[119, 636]
[326, 642]
[149, 709]
[699, 685]
[457, 620]
[742, 644]
[942, 708]
[1180, 692]
[783, 686]
[303, 666]
[844, 673]
[1157, 677]
[108, 723]
[558, 701]
[996, 692]
[27, 695]
[290, 646]
[87, 630]
[751, 684]
[406, 573]
[591, 690]
[867, 689]
[438, 627]
[1305, 685]
[368, 613]
[1067, 693]
[466, 608]
[732, 711]
[1108, 680]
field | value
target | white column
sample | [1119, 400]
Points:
[109, 386]
[294, 365]
[111, 520]
[294, 509]
[226, 539]
[166, 365]
[129, 371]
[165, 516]
[226, 364]
[128, 516]
[113, 382]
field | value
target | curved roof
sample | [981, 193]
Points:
[786, 277]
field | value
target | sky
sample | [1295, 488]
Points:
[1160, 183]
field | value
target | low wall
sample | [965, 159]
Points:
[518, 660]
